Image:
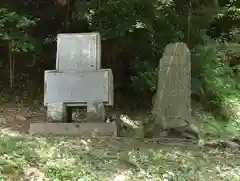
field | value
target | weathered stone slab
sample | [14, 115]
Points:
[73, 129]
[76, 88]
[172, 103]
[96, 111]
[56, 112]
[78, 51]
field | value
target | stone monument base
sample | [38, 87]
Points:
[73, 129]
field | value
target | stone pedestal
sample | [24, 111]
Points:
[77, 81]
[57, 112]
[73, 129]
[76, 87]
[95, 111]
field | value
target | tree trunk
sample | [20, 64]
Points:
[11, 66]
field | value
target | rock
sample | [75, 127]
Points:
[223, 144]
[33, 174]
[192, 131]
[20, 117]
[232, 145]
[236, 140]
[172, 102]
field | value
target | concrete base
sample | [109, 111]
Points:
[73, 129]
[58, 112]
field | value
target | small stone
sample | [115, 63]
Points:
[232, 145]
[20, 117]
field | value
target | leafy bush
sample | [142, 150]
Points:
[219, 86]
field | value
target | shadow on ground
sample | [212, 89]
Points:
[71, 158]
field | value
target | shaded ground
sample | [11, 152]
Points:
[19, 117]
[60, 159]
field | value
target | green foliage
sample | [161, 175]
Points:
[115, 19]
[14, 29]
[138, 30]
[226, 18]
[180, 165]
[146, 76]
[59, 159]
[151, 25]
[214, 126]
[21, 152]
[217, 78]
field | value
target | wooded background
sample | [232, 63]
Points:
[134, 34]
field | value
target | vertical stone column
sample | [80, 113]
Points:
[57, 112]
[172, 103]
[95, 111]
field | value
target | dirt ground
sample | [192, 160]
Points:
[105, 158]
[18, 117]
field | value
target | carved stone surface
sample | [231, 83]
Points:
[78, 79]
[77, 87]
[78, 51]
[172, 103]
[56, 112]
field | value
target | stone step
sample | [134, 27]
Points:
[73, 129]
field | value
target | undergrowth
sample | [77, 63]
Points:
[61, 159]
[218, 85]
[215, 127]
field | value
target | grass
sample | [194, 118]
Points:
[216, 127]
[60, 159]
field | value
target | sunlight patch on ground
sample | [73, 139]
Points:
[123, 176]
[229, 172]
[9, 132]
[62, 158]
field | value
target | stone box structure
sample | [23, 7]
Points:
[76, 88]
[78, 51]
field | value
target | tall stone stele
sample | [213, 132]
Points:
[172, 102]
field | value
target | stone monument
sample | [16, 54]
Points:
[172, 102]
[77, 81]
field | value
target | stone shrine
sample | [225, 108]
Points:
[78, 80]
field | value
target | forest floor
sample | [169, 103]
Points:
[23, 157]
